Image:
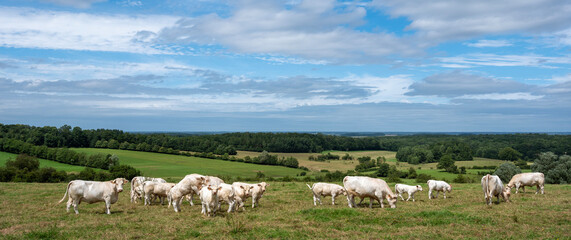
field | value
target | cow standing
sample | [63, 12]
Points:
[92, 192]
[492, 186]
[373, 188]
[226, 194]
[209, 198]
[137, 186]
[326, 189]
[157, 190]
[527, 179]
[190, 184]
[438, 186]
[411, 190]
[242, 191]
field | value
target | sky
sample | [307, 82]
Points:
[287, 65]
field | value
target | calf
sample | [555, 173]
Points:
[492, 186]
[242, 191]
[438, 186]
[257, 192]
[373, 188]
[527, 179]
[411, 190]
[156, 189]
[92, 192]
[208, 180]
[209, 198]
[137, 186]
[226, 194]
[326, 189]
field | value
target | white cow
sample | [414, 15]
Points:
[92, 192]
[527, 179]
[209, 198]
[326, 189]
[373, 188]
[226, 194]
[208, 180]
[190, 184]
[411, 190]
[137, 186]
[257, 192]
[156, 189]
[492, 186]
[242, 191]
[438, 186]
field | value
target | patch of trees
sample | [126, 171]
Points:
[557, 169]
[26, 168]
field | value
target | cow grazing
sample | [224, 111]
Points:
[411, 190]
[156, 189]
[373, 188]
[92, 192]
[438, 186]
[209, 198]
[226, 194]
[242, 191]
[326, 189]
[190, 184]
[527, 179]
[137, 186]
[492, 186]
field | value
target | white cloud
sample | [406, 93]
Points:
[489, 43]
[502, 96]
[33, 28]
[74, 3]
[504, 60]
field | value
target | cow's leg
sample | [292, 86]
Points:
[350, 200]
[69, 203]
[191, 200]
[75, 204]
[400, 195]
[430, 194]
[333, 199]
[380, 200]
[409, 194]
[370, 203]
[542, 187]
[319, 200]
[314, 200]
[444, 192]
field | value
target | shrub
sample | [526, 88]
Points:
[557, 169]
[506, 171]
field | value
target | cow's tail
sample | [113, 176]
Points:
[310, 188]
[487, 187]
[66, 190]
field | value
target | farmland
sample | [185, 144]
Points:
[286, 211]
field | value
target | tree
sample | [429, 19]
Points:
[447, 163]
[557, 169]
[24, 162]
[383, 170]
[509, 154]
[506, 171]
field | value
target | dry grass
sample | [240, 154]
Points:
[28, 211]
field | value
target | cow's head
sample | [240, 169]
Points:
[263, 186]
[392, 199]
[119, 183]
[418, 187]
[247, 190]
[450, 188]
[507, 193]
[344, 191]
[214, 189]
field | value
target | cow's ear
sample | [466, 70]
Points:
[242, 187]
[219, 188]
[259, 184]
[209, 188]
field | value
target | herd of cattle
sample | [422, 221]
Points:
[212, 191]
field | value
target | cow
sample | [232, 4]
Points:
[208, 180]
[92, 192]
[373, 188]
[209, 198]
[492, 186]
[527, 179]
[257, 192]
[438, 186]
[190, 184]
[137, 186]
[411, 190]
[242, 191]
[156, 189]
[326, 189]
[226, 194]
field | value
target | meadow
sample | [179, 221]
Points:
[286, 211]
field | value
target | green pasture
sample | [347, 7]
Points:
[286, 211]
[177, 166]
[4, 156]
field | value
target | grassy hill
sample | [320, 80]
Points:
[4, 156]
[176, 166]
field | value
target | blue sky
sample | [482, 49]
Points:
[292, 65]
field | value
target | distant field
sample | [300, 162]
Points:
[176, 166]
[4, 156]
[286, 211]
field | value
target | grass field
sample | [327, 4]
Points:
[28, 211]
[176, 166]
